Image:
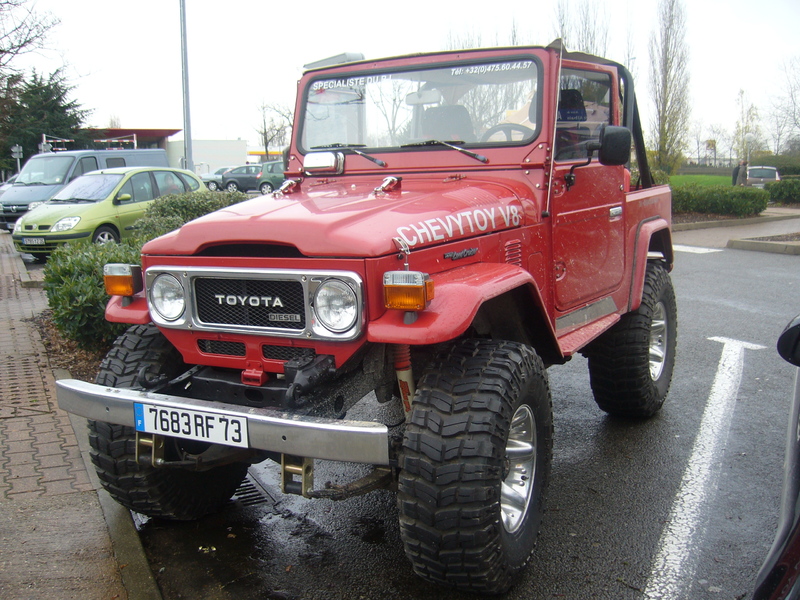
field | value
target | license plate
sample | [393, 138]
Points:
[33, 241]
[215, 428]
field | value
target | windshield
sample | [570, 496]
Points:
[470, 103]
[91, 188]
[45, 170]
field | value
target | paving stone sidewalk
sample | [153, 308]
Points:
[54, 541]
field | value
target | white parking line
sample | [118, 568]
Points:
[676, 562]
[694, 249]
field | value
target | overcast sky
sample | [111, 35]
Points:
[124, 57]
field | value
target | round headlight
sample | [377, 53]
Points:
[336, 305]
[166, 297]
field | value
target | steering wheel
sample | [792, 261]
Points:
[508, 129]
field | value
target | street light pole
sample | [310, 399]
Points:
[187, 121]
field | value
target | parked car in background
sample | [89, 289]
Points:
[7, 184]
[43, 175]
[760, 176]
[778, 577]
[241, 179]
[98, 207]
[213, 180]
[271, 177]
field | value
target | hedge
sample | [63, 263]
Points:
[719, 199]
[73, 276]
[785, 191]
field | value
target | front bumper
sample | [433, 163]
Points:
[270, 430]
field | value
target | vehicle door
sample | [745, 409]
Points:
[142, 190]
[250, 178]
[588, 211]
[237, 175]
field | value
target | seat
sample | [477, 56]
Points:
[448, 123]
[569, 134]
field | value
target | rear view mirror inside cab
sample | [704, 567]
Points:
[424, 97]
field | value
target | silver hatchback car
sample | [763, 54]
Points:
[759, 176]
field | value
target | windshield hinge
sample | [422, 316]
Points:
[389, 184]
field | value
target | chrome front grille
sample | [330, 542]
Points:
[250, 302]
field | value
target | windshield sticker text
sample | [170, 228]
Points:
[350, 82]
[459, 224]
[491, 68]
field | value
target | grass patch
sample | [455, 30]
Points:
[701, 179]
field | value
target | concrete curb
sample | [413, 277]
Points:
[731, 222]
[763, 246]
[137, 576]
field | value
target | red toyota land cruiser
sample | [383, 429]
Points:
[451, 224]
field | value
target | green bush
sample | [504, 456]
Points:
[73, 282]
[73, 276]
[785, 191]
[170, 212]
[719, 199]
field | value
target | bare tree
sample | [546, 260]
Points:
[792, 88]
[669, 59]
[747, 135]
[21, 30]
[722, 147]
[697, 133]
[780, 127]
[785, 112]
[584, 28]
[276, 126]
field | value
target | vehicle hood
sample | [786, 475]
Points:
[349, 219]
[48, 214]
[25, 194]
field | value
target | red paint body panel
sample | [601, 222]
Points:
[571, 235]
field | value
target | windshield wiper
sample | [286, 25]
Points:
[352, 148]
[67, 200]
[474, 155]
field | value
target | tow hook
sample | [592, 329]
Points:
[297, 477]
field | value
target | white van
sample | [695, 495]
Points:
[45, 174]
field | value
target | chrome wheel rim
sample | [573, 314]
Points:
[658, 341]
[104, 237]
[516, 489]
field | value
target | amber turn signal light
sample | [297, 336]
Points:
[407, 290]
[122, 280]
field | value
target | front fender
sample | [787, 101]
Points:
[459, 293]
[123, 309]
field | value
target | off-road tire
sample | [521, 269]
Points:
[164, 492]
[630, 366]
[455, 475]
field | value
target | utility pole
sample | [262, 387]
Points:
[187, 121]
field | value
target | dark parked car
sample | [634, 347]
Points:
[213, 180]
[271, 176]
[241, 179]
[778, 578]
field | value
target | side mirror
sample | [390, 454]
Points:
[789, 342]
[122, 198]
[615, 146]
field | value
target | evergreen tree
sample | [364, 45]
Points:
[44, 107]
